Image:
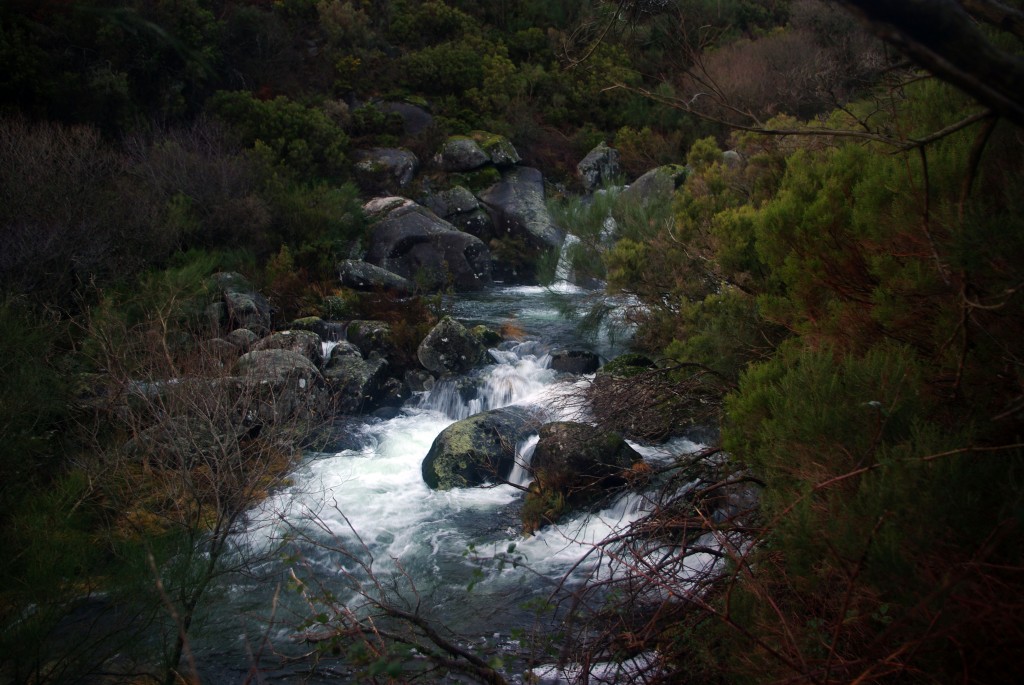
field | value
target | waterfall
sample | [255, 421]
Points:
[521, 374]
[366, 509]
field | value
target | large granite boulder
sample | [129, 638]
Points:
[498, 148]
[415, 243]
[360, 275]
[479, 449]
[573, 466]
[385, 170]
[306, 343]
[575, 361]
[600, 167]
[462, 153]
[459, 207]
[656, 185]
[415, 119]
[237, 304]
[520, 215]
[356, 384]
[283, 384]
[451, 348]
[371, 337]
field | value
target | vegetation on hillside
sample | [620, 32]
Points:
[840, 292]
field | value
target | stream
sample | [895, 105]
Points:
[358, 513]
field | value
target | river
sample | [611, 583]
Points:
[360, 529]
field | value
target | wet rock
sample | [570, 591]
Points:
[575, 361]
[479, 449]
[413, 242]
[356, 384]
[450, 348]
[523, 226]
[573, 466]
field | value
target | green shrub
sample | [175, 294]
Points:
[303, 140]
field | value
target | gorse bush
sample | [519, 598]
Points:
[303, 140]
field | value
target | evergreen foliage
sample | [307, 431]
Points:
[844, 296]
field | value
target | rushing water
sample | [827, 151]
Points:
[362, 511]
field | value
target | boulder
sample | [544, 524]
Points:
[360, 275]
[658, 184]
[285, 385]
[629, 364]
[343, 349]
[327, 330]
[462, 153]
[419, 380]
[371, 337]
[459, 207]
[414, 243]
[599, 168]
[306, 343]
[575, 361]
[221, 350]
[414, 119]
[520, 215]
[356, 384]
[479, 449]
[498, 148]
[385, 170]
[732, 158]
[573, 466]
[242, 338]
[243, 306]
[451, 348]
[184, 443]
[380, 207]
[248, 310]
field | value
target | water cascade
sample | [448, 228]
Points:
[364, 509]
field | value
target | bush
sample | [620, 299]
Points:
[303, 140]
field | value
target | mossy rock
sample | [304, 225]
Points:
[497, 147]
[629, 364]
[479, 449]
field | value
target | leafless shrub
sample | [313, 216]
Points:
[62, 219]
[821, 61]
[180, 451]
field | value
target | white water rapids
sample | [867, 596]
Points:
[367, 503]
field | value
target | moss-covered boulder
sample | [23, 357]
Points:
[573, 466]
[479, 449]
[372, 336]
[451, 348]
[306, 343]
[499, 149]
[629, 364]
[657, 185]
[462, 153]
[384, 170]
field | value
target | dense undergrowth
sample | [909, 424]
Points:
[855, 298]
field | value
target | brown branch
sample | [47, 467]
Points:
[997, 14]
[941, 37]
